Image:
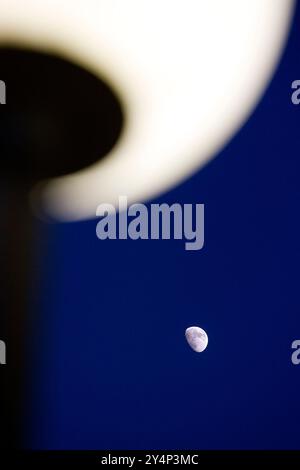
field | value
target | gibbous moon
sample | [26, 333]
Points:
[188, 75]
[196, 338]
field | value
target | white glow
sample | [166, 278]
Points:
[189, 72]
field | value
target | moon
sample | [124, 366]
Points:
[196, 338]
[188, 74]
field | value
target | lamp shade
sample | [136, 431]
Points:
[188, 74]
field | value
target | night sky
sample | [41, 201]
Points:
[111, 368]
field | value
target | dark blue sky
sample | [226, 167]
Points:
[112, 368]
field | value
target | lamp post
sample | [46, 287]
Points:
[58, 118]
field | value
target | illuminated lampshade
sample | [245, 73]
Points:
[188, 72]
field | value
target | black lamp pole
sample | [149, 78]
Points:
[58, 118]
[16, 235]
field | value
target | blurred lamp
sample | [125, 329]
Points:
[187, 72]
